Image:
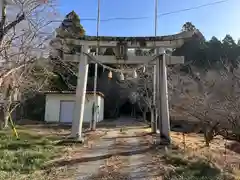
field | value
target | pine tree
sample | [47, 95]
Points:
[71, 24]
[65, 79]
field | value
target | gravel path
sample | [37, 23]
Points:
[116, 156]
[95, 156]
[137, 169]
[134, 160]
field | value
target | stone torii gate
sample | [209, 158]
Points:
[120, 46]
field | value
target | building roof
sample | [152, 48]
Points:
[72, 92]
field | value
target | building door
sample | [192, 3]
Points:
[66, 111]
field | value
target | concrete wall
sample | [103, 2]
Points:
[52, 106]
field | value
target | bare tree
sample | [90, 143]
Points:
[23, 42]
[141, 88]
[214, 102]
[210, 97]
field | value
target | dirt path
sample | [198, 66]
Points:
[127, 152]
[132, 162]
[119, 154]
[138, 162]
[95, 157]
[130, 159]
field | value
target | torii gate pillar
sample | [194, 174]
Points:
[162, 99]
[78, 113]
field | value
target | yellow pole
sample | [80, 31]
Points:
[13, 127]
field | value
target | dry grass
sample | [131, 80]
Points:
[26, 155]
[220, 161]
[25, 158]
[220, 154]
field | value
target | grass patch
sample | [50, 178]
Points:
[175, 160]
[27, 154]
[190, 169]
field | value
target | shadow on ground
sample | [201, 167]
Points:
[110, 176]
[134, 136]
[107, 124]
[235, 147]
[189, 167]
[118, 176]
[96, 158]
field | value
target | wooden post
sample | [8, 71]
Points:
[158, 94]
[80, 96]
[3, 4]
[154, 113]
[1, 8]
[145, 114]
[94, 116]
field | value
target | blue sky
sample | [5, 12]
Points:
[217, 20]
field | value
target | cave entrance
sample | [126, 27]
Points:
[126, 109]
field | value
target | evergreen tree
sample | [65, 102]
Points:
[188, 26]
[71, 25]
[209, 54]
[65, 78]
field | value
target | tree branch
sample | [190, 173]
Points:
[11, 25]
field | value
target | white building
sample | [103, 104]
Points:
[59, 106]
